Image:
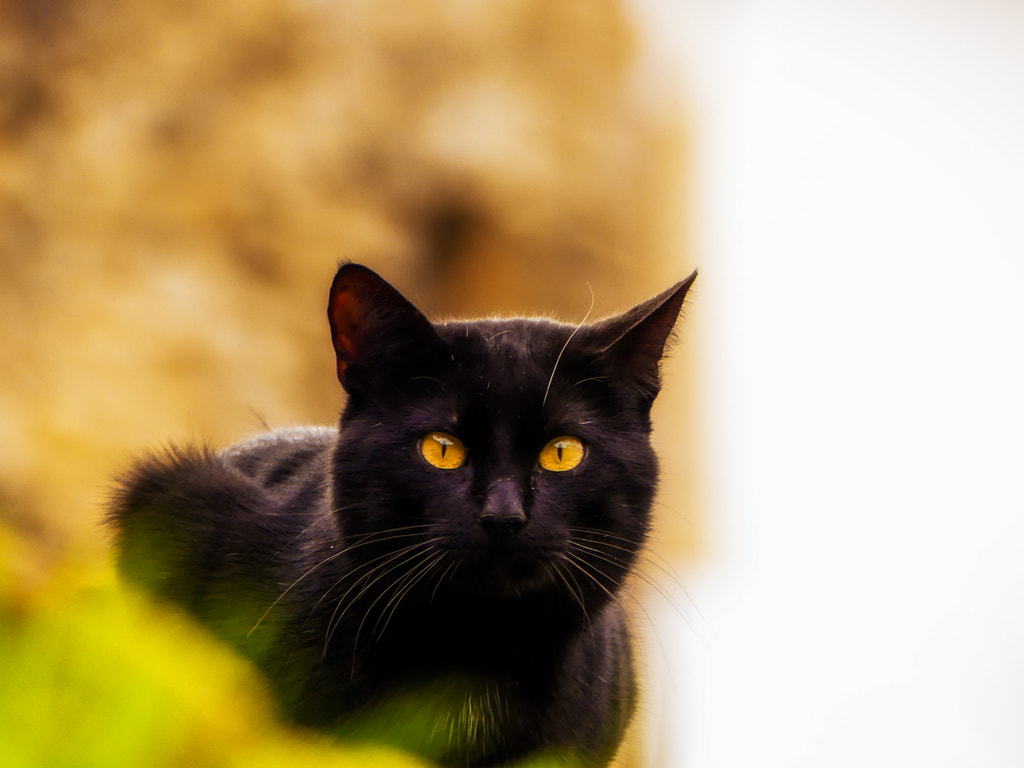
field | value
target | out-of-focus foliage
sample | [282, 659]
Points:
[94, 675]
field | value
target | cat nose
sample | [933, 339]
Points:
[503, 512]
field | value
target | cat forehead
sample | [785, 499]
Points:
[521, 340]
[520, 372]
[520, 365]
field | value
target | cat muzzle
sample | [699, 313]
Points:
[503, 514]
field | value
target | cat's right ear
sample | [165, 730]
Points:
[374, 328]
[635, 341]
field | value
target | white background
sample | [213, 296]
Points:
[859, 192]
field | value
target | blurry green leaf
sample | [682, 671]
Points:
[94, 675]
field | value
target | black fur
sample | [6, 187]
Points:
[355, 574]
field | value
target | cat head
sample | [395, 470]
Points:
[496, 458]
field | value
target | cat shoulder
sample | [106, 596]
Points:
[197, 484]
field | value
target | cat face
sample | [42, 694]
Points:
[497, 458]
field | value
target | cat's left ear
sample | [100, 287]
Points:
[639, 336]
[376, 331]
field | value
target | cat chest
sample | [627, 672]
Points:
[451, 719]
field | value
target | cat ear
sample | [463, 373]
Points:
[639, 336]
[372, 325]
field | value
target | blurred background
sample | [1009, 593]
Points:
[841, 428]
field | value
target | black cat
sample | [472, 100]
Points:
[442, 572]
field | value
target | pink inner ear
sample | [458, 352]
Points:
[346, 313]
[370, 319]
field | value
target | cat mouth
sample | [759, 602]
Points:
[504, 575]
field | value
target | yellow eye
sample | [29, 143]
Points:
[442, 450]
[561, 454]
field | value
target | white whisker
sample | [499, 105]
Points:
[561, 352]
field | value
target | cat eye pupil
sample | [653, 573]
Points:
[562, 454]
[443, 451]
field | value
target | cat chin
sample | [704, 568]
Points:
[502, 578]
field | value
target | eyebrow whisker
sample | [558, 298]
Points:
[561, 352]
